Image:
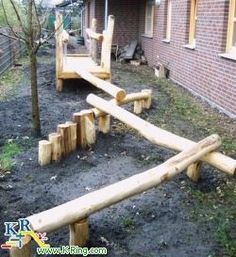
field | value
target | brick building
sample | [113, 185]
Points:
[194, 39]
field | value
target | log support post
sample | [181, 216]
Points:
[86, 128]
[45, 152]
[73, 134]
[56, 140]
[64, 131]
[59, 50]
[104, 124]
[79, 233]
[138, 106]
[93, 42]
[106, 45]
[148, 101]
[59, 85]
[194, 171]
[25, 251]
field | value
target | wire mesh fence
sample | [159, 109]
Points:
[10, 51]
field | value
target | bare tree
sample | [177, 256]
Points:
[30, 21]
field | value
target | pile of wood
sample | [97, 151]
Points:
[132, 53]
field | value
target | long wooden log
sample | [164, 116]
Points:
[116, 92]
[159, 136]
[86, 205]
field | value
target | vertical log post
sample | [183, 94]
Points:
[194, 171]
[56, 140]
[86, 128]
[106, 45]
[64, 131]
[73, 134]
[104, 124]
[93, 42]
[45, 152]
[59, 50]
[25, 251]
[79, 233]
[147, 102]
[138, 106]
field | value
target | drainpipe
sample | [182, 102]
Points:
[106, 14]
[82, 21]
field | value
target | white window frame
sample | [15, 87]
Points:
[193, 22]
[230, 45]
[149, 20]
[168, 20]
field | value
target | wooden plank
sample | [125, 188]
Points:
[160, 136]
[86, 205]
[131, 50]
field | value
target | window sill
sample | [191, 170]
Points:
[228, 56]
[167, 41]
[147, 36]
[190, 46]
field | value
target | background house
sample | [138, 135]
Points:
[194, 39]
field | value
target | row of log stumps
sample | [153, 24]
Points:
[81, 131]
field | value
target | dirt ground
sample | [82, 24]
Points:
[157, 223]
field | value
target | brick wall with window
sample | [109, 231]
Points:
[205, 69]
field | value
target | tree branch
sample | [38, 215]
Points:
[19, 18]
[15, 38]
[9, 25]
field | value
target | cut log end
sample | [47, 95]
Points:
[120, 95]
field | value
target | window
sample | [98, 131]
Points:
[193, 22]
[149, 16]
[231, 36]
[168, 19]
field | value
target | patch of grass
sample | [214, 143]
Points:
[8, 152]
[128, 223]
[181, 107]
[218, 207]
[9, 81]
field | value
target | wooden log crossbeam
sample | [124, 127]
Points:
[94, 35]
[145, 96]
[83, 207]
[160, 136]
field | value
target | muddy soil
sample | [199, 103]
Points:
[155, 223]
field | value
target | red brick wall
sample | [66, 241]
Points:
[201, 70]
[127, 18]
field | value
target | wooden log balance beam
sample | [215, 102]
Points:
[159, 136]
[81, 208]
[118, 93]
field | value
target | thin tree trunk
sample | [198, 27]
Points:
[36, 131]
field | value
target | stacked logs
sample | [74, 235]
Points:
[81, 131]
